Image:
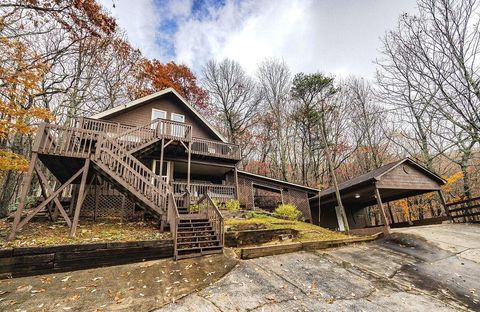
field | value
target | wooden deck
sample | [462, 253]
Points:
[98, 148]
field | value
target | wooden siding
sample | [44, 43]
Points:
[407, 177]
[142, 114]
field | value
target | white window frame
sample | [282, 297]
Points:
[177, 130]
[153, 115]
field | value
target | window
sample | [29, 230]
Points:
[157, 113]
[178, 130]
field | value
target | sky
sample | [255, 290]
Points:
[339, 37]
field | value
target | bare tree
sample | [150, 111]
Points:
[235, 98]
[275, 80]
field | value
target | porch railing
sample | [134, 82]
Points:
[215, 149]
[216, 191]
[66, 141]
[167, 129]
[79, 140]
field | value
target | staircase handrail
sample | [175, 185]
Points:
[214, 216]
[173, 217]
[143, 173]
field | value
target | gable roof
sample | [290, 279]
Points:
[376, 175]
[156, 95]
[261, 177]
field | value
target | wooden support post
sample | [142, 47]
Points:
[32, 213]
[253, 197]
[24, 188]
[45, 196]
[235, 173]
[161, 156]
[43, 180]
[386, 230]
[444, 204]
[72, 201]
[189, 164]
[80, 198]
[56, 211]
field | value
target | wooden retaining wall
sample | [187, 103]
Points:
[27, 261]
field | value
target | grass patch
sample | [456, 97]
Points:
[307, 231]
[50, 234]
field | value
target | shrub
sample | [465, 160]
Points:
[194, 208]
[232, 205]
[287, 211]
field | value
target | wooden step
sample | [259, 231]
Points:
[194, 228]
[198, 252]
[191, 238]
[191, 225]
[195, 233]
[215, 242]
[193, 220]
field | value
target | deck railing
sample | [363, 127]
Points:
[216, 191]
[102, 126]
[66, 141]
[80, 139]
[215, 148]
[167, 129]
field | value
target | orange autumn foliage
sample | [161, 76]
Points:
[153, 76]
[20, 74]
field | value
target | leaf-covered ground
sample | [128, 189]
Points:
[141, 286]
[43, 233]
[307, 231]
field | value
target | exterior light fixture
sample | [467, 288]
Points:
[357, 195]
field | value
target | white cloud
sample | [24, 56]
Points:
[180, 8]
[334, 36]
[140, 20]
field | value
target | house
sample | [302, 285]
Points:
[155, 155]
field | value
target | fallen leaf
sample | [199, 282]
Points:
[36, 291]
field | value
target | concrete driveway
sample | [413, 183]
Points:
[433, 268]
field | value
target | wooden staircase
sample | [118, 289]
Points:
[196, 237]
[195, 234]
[129, 174]
[111, 154]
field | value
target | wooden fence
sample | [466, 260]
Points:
[467, 210]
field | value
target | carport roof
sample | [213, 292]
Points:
[376, 174]
[364, 186]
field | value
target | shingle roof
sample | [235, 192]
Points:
[375, 174]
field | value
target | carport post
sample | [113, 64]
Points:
[386, 229]
[444, 204]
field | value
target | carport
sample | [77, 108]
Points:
[396, 180]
